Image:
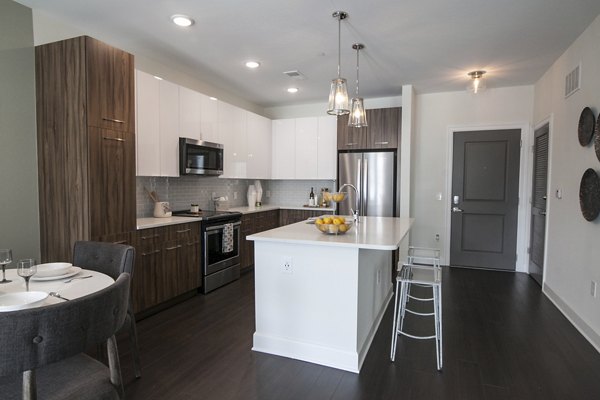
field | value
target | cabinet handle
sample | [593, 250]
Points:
[184, 231]
[351, 144]
[149, 237]
[381, 142]
[115, 139]
[152, 252]
[174, 247]
[118, 121]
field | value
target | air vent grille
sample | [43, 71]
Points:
[295, 74]
[572, 81]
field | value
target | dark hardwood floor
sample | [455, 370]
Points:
[503, 339]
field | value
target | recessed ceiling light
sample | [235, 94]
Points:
[158, 77]
[182, 20]
[293, 90]
[213, 98]
[252, 64]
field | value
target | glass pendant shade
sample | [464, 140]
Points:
[338, 97]
[358, 115]
[477, 84]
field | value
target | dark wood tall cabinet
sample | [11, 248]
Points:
[86, 143]
[383, 131]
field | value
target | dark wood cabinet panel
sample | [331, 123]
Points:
[111, 181]
[383, 131]
[168, 264]
[110, 87]
[86, 182]
[287, 217]
[253, 223]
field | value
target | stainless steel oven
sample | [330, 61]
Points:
[220, 264]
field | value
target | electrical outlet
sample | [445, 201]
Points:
[287, 267]
[235, 195]
[593, 289]
[268, 194]
[437, 237]
[214, 195]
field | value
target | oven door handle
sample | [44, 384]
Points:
[218, 227]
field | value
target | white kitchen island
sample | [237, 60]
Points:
[320, 298]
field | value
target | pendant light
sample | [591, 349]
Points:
[358, 116]
[477, 83]
[338, 93]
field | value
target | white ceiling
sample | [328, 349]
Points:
[430, 44]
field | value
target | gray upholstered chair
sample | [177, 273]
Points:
[111, 259]
[41, 349]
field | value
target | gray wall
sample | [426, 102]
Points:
[19, 220]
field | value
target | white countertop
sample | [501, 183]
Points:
[151, 222]
[377, 233]
[269, 207]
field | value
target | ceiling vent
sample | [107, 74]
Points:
[295, 74]
[573, 81]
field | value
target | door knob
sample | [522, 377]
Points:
[542, 212]
[456, 209]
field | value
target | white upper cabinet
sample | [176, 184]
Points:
[147, 125]
[209, 119]
[284, 154]
[306, 147]
[327, 148]
[232, 134]
[190, 103]
[169, 128]
[258, 131]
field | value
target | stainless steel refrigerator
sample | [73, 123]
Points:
[374, 175]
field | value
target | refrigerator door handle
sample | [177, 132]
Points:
[357, 202]
[365, 189]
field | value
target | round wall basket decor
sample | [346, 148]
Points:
[589, 194]
[597, 138]
[585, 129]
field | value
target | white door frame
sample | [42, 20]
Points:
[524, 208]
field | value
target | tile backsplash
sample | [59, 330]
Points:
[182, 191]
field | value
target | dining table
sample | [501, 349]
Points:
[67, 287]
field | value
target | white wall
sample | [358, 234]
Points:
[49, 29]
[573, 244]
[19, 220]
[436, 115]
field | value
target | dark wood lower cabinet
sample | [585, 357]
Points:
[287, 217]
[168, 264]
[253, 223]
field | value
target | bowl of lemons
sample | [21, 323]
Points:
[333, 224]
[334, 196]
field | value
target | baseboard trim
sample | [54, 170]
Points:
[575, 319]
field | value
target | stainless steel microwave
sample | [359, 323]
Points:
[198, 157]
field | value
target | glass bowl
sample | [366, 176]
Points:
[335, 196]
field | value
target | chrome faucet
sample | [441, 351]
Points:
[355, 212]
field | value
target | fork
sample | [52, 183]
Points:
[79, 277]
[58, 296]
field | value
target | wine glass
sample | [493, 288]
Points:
[5, 258]
[26, 269]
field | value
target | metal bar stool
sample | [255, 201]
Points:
[428, 277]
[422, 256]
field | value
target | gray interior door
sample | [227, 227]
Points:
[485, 196]
[538, 204]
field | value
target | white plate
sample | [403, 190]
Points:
[71, 272]
[52, 269]
[19, 300]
